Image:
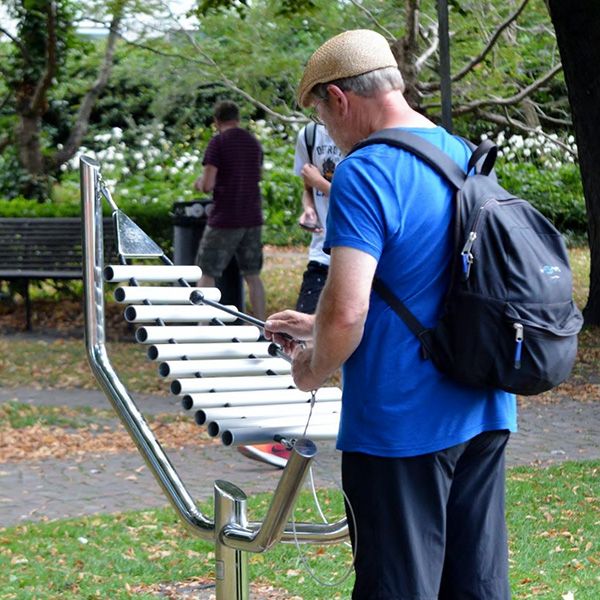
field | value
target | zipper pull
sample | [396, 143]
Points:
[519, 344]
[467, 257]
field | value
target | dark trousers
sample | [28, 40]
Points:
[313, 282]
[430, 527]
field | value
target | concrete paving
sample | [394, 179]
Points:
[55, 489]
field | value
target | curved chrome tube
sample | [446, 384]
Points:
[253, 537]
[258, 540]
[125, 407]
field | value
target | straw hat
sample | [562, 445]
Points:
[346, 55]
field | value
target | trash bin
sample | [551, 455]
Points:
[189, 221]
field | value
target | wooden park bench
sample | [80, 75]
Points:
[43, 248]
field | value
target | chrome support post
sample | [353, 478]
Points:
[231, 566]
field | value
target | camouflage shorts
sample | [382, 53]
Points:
[219, 246]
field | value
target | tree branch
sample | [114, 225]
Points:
[83, 116]
[520, 126]
[4, 142]
[420, 62]
[428, 87]
[151, 49]
[39, 95]
[226, 82]
[5, 101]
[15, 41]
[477, 104]
[373, 18]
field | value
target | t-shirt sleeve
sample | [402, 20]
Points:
[356, 208]
[212, 154]
[301, 153]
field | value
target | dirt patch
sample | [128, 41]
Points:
[204, 589]
[38, 442]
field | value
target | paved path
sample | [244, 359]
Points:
[54, 489]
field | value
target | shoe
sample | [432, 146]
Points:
[272, 454]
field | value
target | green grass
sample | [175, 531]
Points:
[553, 517]
[19, 415]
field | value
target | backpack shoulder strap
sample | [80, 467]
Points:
[437, 159]
[444, 165]
[310, 135]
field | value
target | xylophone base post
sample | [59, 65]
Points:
[231, 565]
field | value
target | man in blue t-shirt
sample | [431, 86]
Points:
[423, 456]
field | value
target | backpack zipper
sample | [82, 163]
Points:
[518, 344]
[467, 256]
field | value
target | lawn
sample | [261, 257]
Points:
[553, 513]
[553, 517]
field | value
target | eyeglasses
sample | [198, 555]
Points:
[314, 115]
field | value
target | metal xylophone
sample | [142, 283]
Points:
[235, 385]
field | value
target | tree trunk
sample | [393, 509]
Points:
[27, 136]
[406, 52]
[577, 26]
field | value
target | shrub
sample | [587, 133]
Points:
[541, 168]
[148, 174]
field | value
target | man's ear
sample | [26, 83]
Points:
[338, 98]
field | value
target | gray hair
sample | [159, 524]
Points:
[366, 85]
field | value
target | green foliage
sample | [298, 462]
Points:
[147, 180]
[557, 193]
[13, 177]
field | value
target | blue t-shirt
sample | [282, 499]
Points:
[389, 204]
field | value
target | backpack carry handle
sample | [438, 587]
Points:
[486, 149]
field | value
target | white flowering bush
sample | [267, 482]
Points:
[148, 173]
[545, 150]
[543, 169]
[147, 159]
[281, 189]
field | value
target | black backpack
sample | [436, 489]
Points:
[310, 135]
[509, 321]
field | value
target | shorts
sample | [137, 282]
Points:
[313, 282]
[219, 246]
[430, 527]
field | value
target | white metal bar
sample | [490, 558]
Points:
[317, 430]
[155, 334]
[218, 350]
[175, 314]
[258, 397]
[282, 411]
[232, 367]
[162, 294]
[214, 428]
[152, 273]
[228, 384]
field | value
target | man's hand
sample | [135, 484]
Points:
[304, 377]
[310, 220]
[313, 178]
[297, 325]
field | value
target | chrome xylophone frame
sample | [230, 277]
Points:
[230, 530]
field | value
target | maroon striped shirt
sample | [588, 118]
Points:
[238, 157]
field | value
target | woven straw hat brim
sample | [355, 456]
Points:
[348, 54]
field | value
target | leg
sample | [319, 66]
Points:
[476, 562]
[214, 253]
[250, 260]
[399, 505]
[256, 291]
[206, 281]
[313, 282]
